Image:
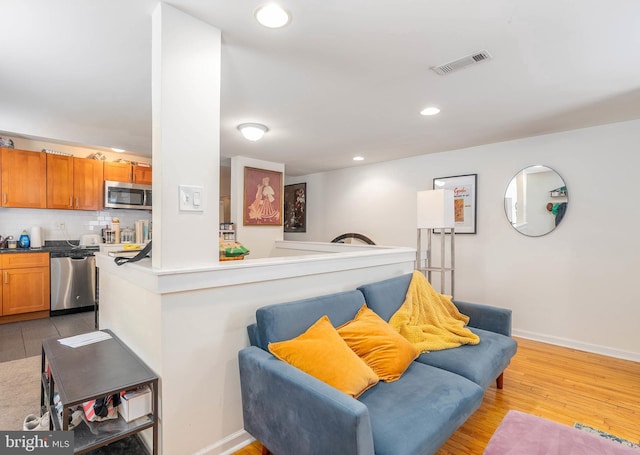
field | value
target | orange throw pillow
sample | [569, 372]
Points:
[387, 352]
[323, 354]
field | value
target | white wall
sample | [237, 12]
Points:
[574, 286]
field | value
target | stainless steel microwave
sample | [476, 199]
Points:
[122, 195]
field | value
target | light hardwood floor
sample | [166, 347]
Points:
[559, 384]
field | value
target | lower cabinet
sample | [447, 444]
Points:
[25, 283]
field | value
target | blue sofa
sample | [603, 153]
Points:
[293, 413]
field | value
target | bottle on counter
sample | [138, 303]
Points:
[115, 226]
[24, 240]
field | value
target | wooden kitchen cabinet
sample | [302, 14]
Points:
[74, 183]
[142, 175]
[125, 172]
[59, 182]
[117, 172]
[25, 283]
[24, 178]
[87, 184]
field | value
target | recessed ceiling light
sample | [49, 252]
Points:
[252, 131]
[358, 158]
[430, 111]
[117, 150]
[272, 16]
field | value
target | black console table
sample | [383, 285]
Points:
[90, 372]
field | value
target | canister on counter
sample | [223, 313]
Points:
[115, 225]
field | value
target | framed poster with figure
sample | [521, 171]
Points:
[262, 197]
[465, 198]
[295, 207]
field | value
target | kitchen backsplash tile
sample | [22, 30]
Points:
[74, 222]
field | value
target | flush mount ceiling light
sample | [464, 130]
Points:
[272, 16]
[358, 158]
[430, 111]
[118, 150]
[252, 131]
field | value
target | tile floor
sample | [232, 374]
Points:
[19, 340]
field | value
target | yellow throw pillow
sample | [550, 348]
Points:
[323, 354]
[387, 352]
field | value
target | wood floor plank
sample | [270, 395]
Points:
[560, 384]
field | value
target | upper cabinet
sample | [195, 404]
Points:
[60, 182]
[142, 175]
[117, 172]
[41, 180]
[87, 184]
[24, 178]
[74, 183]
[125, 172]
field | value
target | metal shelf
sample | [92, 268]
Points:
[119, 369]
[426, 265]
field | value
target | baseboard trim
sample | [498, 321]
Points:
[580, 346]
[228, 445]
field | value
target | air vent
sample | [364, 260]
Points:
[463, 62]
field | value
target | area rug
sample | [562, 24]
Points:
[19, 391]
[524, 434]
[608, 436]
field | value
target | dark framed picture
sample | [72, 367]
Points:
[465, 197]
[262, 197]
[295, 207]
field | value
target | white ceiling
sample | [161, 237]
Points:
[344, 78]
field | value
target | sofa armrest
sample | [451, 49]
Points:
[252, 331]
[486, 317]
[291, 412]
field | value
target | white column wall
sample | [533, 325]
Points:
[573, 287]
[186, 137]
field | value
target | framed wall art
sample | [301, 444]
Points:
[295, 207]
[262, 197]
[465, 199]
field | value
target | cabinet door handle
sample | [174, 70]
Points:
[4, 198]
[76, 202]
[71, 201]
[6, 277]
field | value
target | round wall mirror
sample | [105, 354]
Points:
[536, 200]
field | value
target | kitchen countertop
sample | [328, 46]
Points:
[24, 250]
[52, 246]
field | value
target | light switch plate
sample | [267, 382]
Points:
[191, 198]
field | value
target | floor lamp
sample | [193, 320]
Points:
[436, 215]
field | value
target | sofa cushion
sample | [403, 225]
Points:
[386, 351]
[417, 413]
[386, 296]
[481, 363]
[284, 321]
[322, 353]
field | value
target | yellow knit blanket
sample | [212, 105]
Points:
[430, 321]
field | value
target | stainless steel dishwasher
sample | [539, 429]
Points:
[73, 282]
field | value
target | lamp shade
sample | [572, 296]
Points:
[435, 209]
